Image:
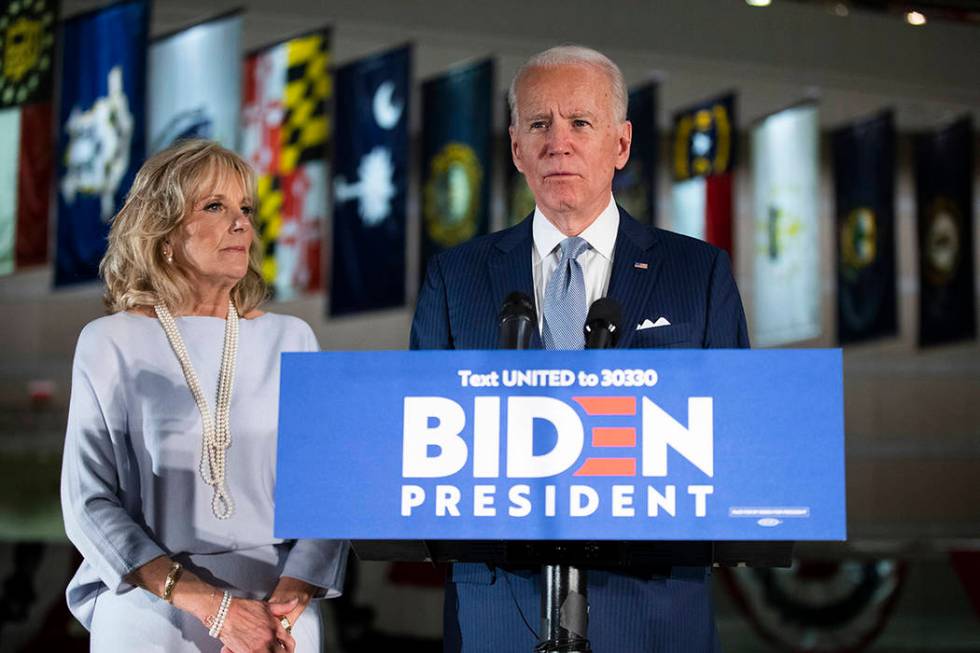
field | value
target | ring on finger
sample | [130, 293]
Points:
[285, 624]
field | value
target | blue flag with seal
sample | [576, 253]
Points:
[944, 206]
[457, 136]
[635, 186]
[370, 182]
[864, 194]
[102, 130]
[552, 445]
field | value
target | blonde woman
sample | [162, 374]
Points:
[169, 465]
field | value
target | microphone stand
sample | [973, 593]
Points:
[564, 610]
[564, 597]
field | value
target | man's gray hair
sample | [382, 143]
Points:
[574, 55]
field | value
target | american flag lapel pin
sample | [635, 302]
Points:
[640, 265]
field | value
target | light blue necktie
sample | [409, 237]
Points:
[564, 299]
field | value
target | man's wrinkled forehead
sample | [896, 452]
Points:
[582, 90]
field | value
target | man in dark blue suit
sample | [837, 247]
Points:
[569, 134]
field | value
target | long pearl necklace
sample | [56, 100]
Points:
[217, 433]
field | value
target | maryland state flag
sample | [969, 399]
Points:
[864, 195]
[370, 183]
[285, 136]
[944, 203]
[102, 127]
[702, 160]
[27, 51]
[635, 186]
[457, 133]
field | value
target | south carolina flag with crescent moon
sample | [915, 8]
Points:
[369, 183]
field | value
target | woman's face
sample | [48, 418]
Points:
[213, 241]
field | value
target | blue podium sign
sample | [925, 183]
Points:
[544, 445]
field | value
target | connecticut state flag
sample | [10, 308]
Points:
[101, 130]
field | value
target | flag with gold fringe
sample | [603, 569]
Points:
[27, 51]
[285, 136]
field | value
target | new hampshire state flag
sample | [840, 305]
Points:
[457, 135]
[101, 143]
[370, 181]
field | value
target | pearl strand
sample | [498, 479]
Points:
[216, 437]
[218, 621]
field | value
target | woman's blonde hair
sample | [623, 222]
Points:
[134, 268]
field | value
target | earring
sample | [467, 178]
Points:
[168, 254]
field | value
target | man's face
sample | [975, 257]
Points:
[567, 141]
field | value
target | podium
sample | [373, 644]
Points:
[676, 457]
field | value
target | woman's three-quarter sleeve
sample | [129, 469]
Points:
[97, 470]
[321, 563]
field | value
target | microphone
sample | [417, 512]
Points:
[602, 324]
[517, 321]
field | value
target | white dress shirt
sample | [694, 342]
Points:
[596, 262]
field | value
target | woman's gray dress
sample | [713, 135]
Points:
[131, 490]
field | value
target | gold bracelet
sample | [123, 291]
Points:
[168, 586]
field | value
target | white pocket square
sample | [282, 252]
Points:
[647, 324]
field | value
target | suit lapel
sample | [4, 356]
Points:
[509, 267]
[635, 271]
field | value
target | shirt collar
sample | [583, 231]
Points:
[601, 234]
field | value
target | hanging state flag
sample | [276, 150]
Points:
[27, 50]
[9, 147]
[944, 203]
[457, 136]
[195, 84]
[101, 143]
[285, 136]
[785, 176]
[864, 195]
[370, 182]
[27, 36]
[635, 186]
[517, 194]
[703, 139]
[702, 151]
